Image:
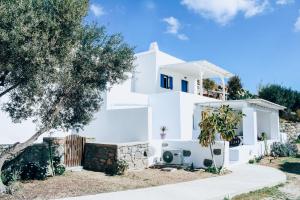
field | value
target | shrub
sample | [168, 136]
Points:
[10, 175]
[59, 169]
[213, 170]
[298, 140]
[34, 171]
[251, 161]
[283, 150]
[118, 168]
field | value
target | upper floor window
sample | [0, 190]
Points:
[166, 81]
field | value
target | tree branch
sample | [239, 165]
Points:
[9, 89]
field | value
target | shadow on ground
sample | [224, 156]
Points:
[291, 167]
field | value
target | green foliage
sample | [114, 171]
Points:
[209, 84]
[228, 121]
[213, 170]
[36, 36]
[119, 168]
[236, 90]
[208, 126]
[255, 160]
[59, 169]
[234, 87]
[224, 121]
[63, 65]
[34, 171]
[251, 161]
[282, 96]
[10, 175]
[298, 140]
[283, 149]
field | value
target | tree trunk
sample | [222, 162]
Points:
[2, 186]
[19, 147]
[213, 158]
[222, 168]
[14, 150]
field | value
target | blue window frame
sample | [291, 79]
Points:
[166, 81]
[184, 85]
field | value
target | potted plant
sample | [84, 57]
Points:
[163, 134]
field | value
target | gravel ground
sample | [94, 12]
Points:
[87, 182]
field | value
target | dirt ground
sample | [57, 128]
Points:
[291, 166]
[88, 182]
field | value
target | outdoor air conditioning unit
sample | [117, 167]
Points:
[172, 156]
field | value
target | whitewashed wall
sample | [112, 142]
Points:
[166, 112]
[199, 153]
[145, 73]
[121, 125]
[122, 96]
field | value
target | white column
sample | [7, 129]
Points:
[201, 83]
[274, 125]
[223, 87]
[196, 86]
[249, 126]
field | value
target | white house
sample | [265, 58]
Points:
[167, 91]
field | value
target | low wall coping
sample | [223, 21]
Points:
[119, 144]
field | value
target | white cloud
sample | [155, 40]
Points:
[223, 11]
[182, 37]
[297, 24]
[150, 5]
[284, 2]
[97, 10]
[173, 27]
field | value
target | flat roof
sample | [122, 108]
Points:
[195, 68]
[245, 102]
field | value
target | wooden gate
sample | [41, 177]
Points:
[74, 150]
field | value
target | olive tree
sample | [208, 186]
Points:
[63, 66]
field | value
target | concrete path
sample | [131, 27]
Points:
[244, 178]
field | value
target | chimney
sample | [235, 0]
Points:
[153, 46]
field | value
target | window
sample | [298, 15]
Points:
[166, 81]
[184, 86]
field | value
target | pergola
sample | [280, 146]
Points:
[201, 69]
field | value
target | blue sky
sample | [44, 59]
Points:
[259, 40]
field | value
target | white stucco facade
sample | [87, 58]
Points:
[164, 91]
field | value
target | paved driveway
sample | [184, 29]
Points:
[244, 178]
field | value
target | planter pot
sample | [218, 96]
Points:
[163, 136]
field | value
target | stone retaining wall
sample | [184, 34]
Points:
[37, 153]
[292, 129]
[3, 147]
[99, 157]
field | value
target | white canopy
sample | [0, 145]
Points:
[195, 68]
[244, 103]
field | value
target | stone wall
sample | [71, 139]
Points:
[38, 153]
[3, 147]
[292, 129]
[99, 157]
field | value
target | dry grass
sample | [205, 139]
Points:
[87, 182]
